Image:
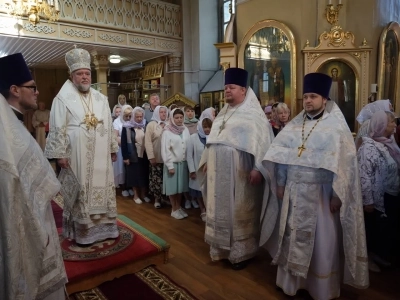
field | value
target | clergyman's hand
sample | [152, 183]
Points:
[255, 177]
[335, 204]
[63, 163]
[113, 157]
[280, 192]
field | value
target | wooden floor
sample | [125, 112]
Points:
[190, 265]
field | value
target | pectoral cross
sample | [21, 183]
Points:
[301, 149]
[222, 127]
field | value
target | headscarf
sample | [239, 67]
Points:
[133, 122]
[377, 126]
[156, 115]
[206, 114]
[126, 124]
[114, 109]
[121, 105]
[188, 121]
[171, 126]
[368, 110]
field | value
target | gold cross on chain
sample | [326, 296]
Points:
[301, 149]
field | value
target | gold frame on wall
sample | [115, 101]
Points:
[338, 45]
[285, 29]
[383, 67]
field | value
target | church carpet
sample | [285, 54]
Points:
[147, 284]
[134, 250]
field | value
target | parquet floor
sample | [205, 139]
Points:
[191, 267]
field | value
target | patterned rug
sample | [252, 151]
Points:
[149, 283]
[72, 252]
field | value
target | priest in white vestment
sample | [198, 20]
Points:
[40, 121]
[233, 187]
[30, 255]
[82, 138]
[313, 167]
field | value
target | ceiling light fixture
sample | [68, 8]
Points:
[115, 59]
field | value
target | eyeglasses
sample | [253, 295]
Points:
[33, 87]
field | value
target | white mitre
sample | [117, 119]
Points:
[77, 59]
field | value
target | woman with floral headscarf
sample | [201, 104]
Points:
[134, 155]
[379, 164]
[173, 152]
[152, 143]
[195, 148]
[365, 115]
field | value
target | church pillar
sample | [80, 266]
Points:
[100, 61]
[175, 66]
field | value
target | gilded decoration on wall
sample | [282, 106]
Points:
[389, 65]
[337, 56]
[268, 53]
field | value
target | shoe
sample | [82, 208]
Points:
[372, 266]
[240, 265]
[138, 201]
[157, 204]
[177, 215]
[117, 186]
[125, 193]
[203, 216]
[146, 199]
[131, 192]
[379, 260]
[183, 213]
[194, 204]
[188, 205]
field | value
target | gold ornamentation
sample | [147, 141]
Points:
[90, 120]
[314, 56]
[332, 14]
[34, 10]
[302, 148]
[307, 43]
[364, 42]
[357, 55]
[337, 36]
[225, 65]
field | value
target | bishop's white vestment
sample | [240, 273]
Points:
[93, 214]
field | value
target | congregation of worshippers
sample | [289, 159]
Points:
[322, 201]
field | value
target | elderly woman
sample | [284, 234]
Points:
[365, 115]
[379, 163]
[119, 169]
[152, 143]
[282, 113]
[135, 159]
[121, 101]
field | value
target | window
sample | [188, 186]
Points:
[226, 14]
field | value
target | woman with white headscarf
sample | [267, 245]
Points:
[365, 115]
[195, 147]
[173, 152]
[152, 143]
[134, 155]
[119, 169]
[379, 164]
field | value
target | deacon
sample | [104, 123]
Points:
[232, 160]
[81, 137]
[313, 167]
[30, 256]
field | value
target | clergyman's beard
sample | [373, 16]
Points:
[84, 88]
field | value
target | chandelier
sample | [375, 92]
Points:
[34, 9]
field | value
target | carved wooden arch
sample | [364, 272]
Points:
[338, 45]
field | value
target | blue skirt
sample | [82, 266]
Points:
[177, 183]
